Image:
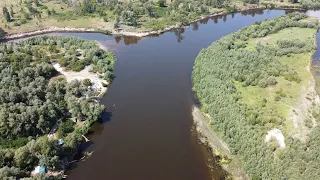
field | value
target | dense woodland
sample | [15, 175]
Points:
[310, 4]
[32, 102]
[227, 61]
[145, 14]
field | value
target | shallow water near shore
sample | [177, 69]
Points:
[148, 131]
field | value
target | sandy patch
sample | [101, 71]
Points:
[47, 30]
[312, 13]
[301, 112]
[102, 46]
[276, 134]
[81, 75]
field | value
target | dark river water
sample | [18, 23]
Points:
[148, 134]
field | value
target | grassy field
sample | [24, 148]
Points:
[281, 99]
[65, 16]
[60, 20]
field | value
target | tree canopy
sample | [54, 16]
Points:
[35, 103]
[232, 63]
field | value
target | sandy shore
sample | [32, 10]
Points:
[84, 74]
[47, 30]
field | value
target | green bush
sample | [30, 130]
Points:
[2, 33]
[86, 82]
[63, 62]
[161, 3]
[65, 128]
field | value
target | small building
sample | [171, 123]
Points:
[40, 170]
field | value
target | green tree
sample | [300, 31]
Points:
[161, 3]
[9, 173]
[129, 18]
[6, 14]
[2, 33]
[11, 12]
[36, 3]
[86, 82]
[23, 158]
[49, 12]
[116, 22]
[88, 7]
[148, 8]
[53, 11]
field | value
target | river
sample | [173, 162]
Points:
[147, 133]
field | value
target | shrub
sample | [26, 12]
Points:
[2, 33]
[86, 82]
[161, 3]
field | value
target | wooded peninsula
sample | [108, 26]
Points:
[257, 87]
[42, 116]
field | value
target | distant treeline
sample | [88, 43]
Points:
[150, 14]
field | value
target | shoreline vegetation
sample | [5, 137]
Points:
[265, 107]
[218, 148]
[49, 100]
[114, 32]
[139, 25]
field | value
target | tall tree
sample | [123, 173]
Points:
[36, 3]
[148, 7]
[88, 6]
[11, 11]
[161, 3]
[2, 33]
[6, 14]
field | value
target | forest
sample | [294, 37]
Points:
[248, 82]
[26, 15]
[37, 107]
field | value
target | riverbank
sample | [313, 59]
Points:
[217, 145]
[109, 31]
[124, 32]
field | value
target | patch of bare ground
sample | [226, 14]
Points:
[209, 137]
[302, 111]
[277, 135]
[97, 83]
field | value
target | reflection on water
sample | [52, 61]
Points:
[314, 14]
[316, 55]
[252, 12]
[195, 26]
[178, 33]
[127, 39]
